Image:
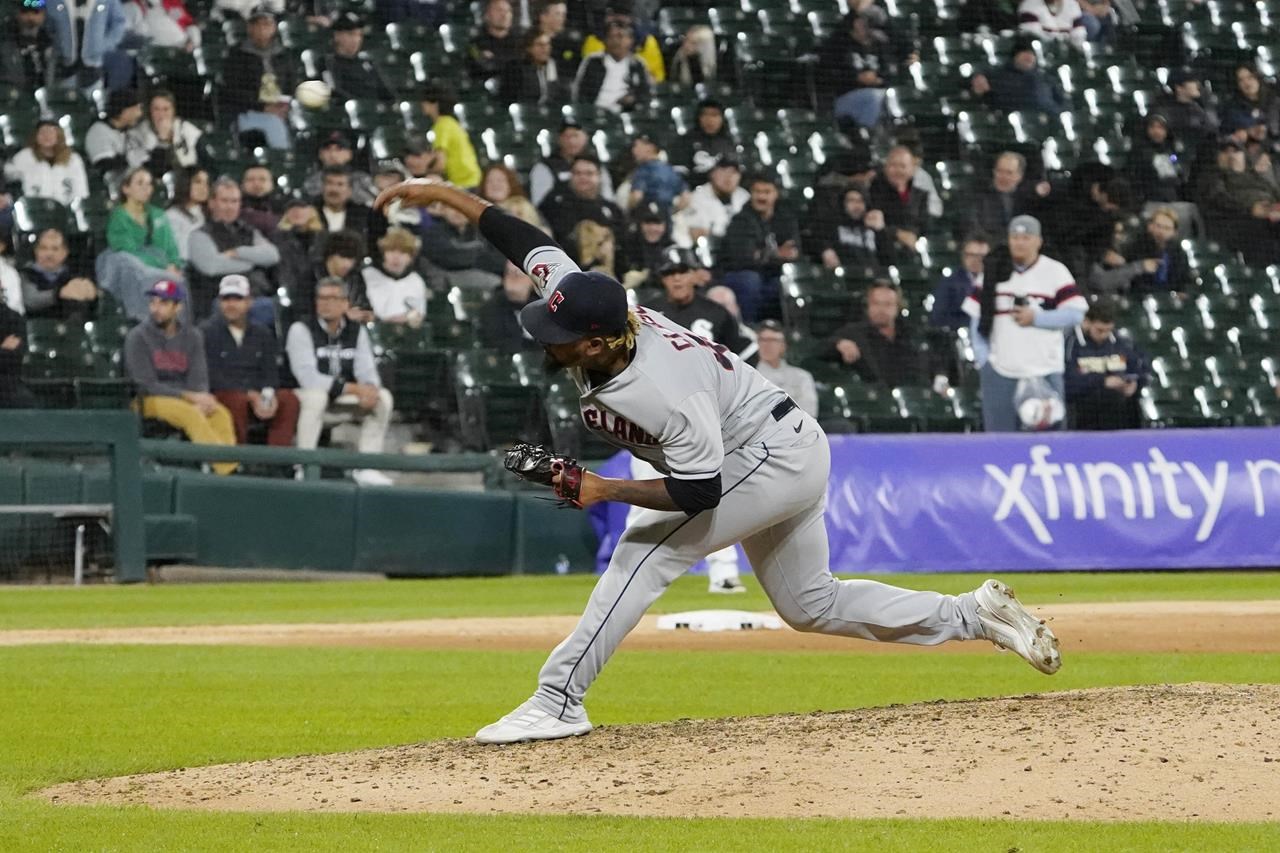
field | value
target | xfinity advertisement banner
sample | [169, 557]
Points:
[1114, 500]
[1141, 499]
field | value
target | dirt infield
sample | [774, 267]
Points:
[1147, 626]
[1185, 752]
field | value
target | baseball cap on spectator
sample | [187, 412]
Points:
[1024, 224]
[121, 100]
[171, 291]
[1021, 45]
[1153, 118]
[1229, 143]
[1178, 76]
[338, 138]
[346, 22]
[236, 286]
[1241, 120]
[261, 11]
[650, 213]
[727, 161]
[391, 167]
[770, 326]
[569, 122]
[675, 266]
[31, 6]
[583, 304]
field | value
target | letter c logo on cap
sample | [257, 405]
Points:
[554, 302]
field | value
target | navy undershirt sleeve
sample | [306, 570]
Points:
[693, 496]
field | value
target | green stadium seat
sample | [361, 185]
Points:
[499, 399]
[874, 409]
[103, 393]
[813, 311]
[564, 418]
[1266, 404]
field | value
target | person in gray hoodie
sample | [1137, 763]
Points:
[165, 358]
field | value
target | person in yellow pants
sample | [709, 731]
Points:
[165, 358]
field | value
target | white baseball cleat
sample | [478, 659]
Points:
[1007, 623]
[728, 586]
[530, 723]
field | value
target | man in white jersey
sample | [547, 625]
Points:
[1017, 320]
[740, 463]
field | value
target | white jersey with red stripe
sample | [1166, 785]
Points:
[1020, 352]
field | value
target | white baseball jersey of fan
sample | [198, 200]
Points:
[682, 403]
[1020, 352]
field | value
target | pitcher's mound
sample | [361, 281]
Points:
[1191, 751]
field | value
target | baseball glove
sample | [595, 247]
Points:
[540, 464]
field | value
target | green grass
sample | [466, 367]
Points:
[105, 606]
[74, 712]
[81, 711]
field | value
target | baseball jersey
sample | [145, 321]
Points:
[1020, 352]
[682, 402]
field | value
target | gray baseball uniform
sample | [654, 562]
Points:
[692, 409]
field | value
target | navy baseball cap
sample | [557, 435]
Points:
[170, 290]
[584, 304]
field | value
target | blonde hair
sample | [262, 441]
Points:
[627, 338]
[399, 240]
[596, 246]
[1168, 212]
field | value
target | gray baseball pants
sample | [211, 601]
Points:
[774, 494]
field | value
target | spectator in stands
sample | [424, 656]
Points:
[13, 347]
[551, 19]
[618, 14]
[332, 359]
[759, 240]
[341, 212]
[87, 38]
[536, 77]
[1158, 167]
[51, 288]
[855, 240]
[1086, 222]
[140, 229]
[225, 245]
[707, 211]
[1151, 262]
[107, 142]
[1254, 96]
[395, 290]
[1103, 374]
[654, 180]
[1247, 195]
[596, 247]
[164, 357]
[260, 203]
[341, 257]
[950, 293]
[350, 73]
[162, 23]
[1053, 20]
[186, 208]
[499, 325]
[10, 279]
[921, 180]
[878, 348]
[905, 206]
[501, 186]
[336, 150]
[616, 79]
[796, 381]
[581, 199]
[456, 255]
[258, 79]
[453, 155]
[1017, 319]
[684, 304]
[496, 44]
[1188, 118]
[552, 172]
[163, 141]
[47, 167]
[27, 59]
[244, 370]
[299, 237]
[725, 298]
[1020, 85]
[1008, 195]
[855, 66]
[645, 249]
[694, 62]
[708, 142]
[247, 8]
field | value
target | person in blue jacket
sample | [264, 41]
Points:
[1104, 374]
[89, 48]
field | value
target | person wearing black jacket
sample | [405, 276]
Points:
[905, 206]
[13, 346]
[1103, 374]
[1009, 194]
[27, 59]
[758, 241]
[257, 80]
[1151, 262]
[350, 73]
[684, 304]
[855, 239]
[499, 324]
[617, 60]
[496, 44]
[1158, 167]
[535, 78]
[244, 370]
[582, 198]
[855, 65]
[341, 212]
[879, 349]
[644, 251]
[707, 143]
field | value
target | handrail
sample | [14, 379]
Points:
[181, 451]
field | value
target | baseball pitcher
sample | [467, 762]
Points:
[740, 462]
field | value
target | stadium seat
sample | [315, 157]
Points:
[564, 418]
[871, 408]
[499, 400]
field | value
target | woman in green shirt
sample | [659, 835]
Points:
[140, 228]
[454, 155]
